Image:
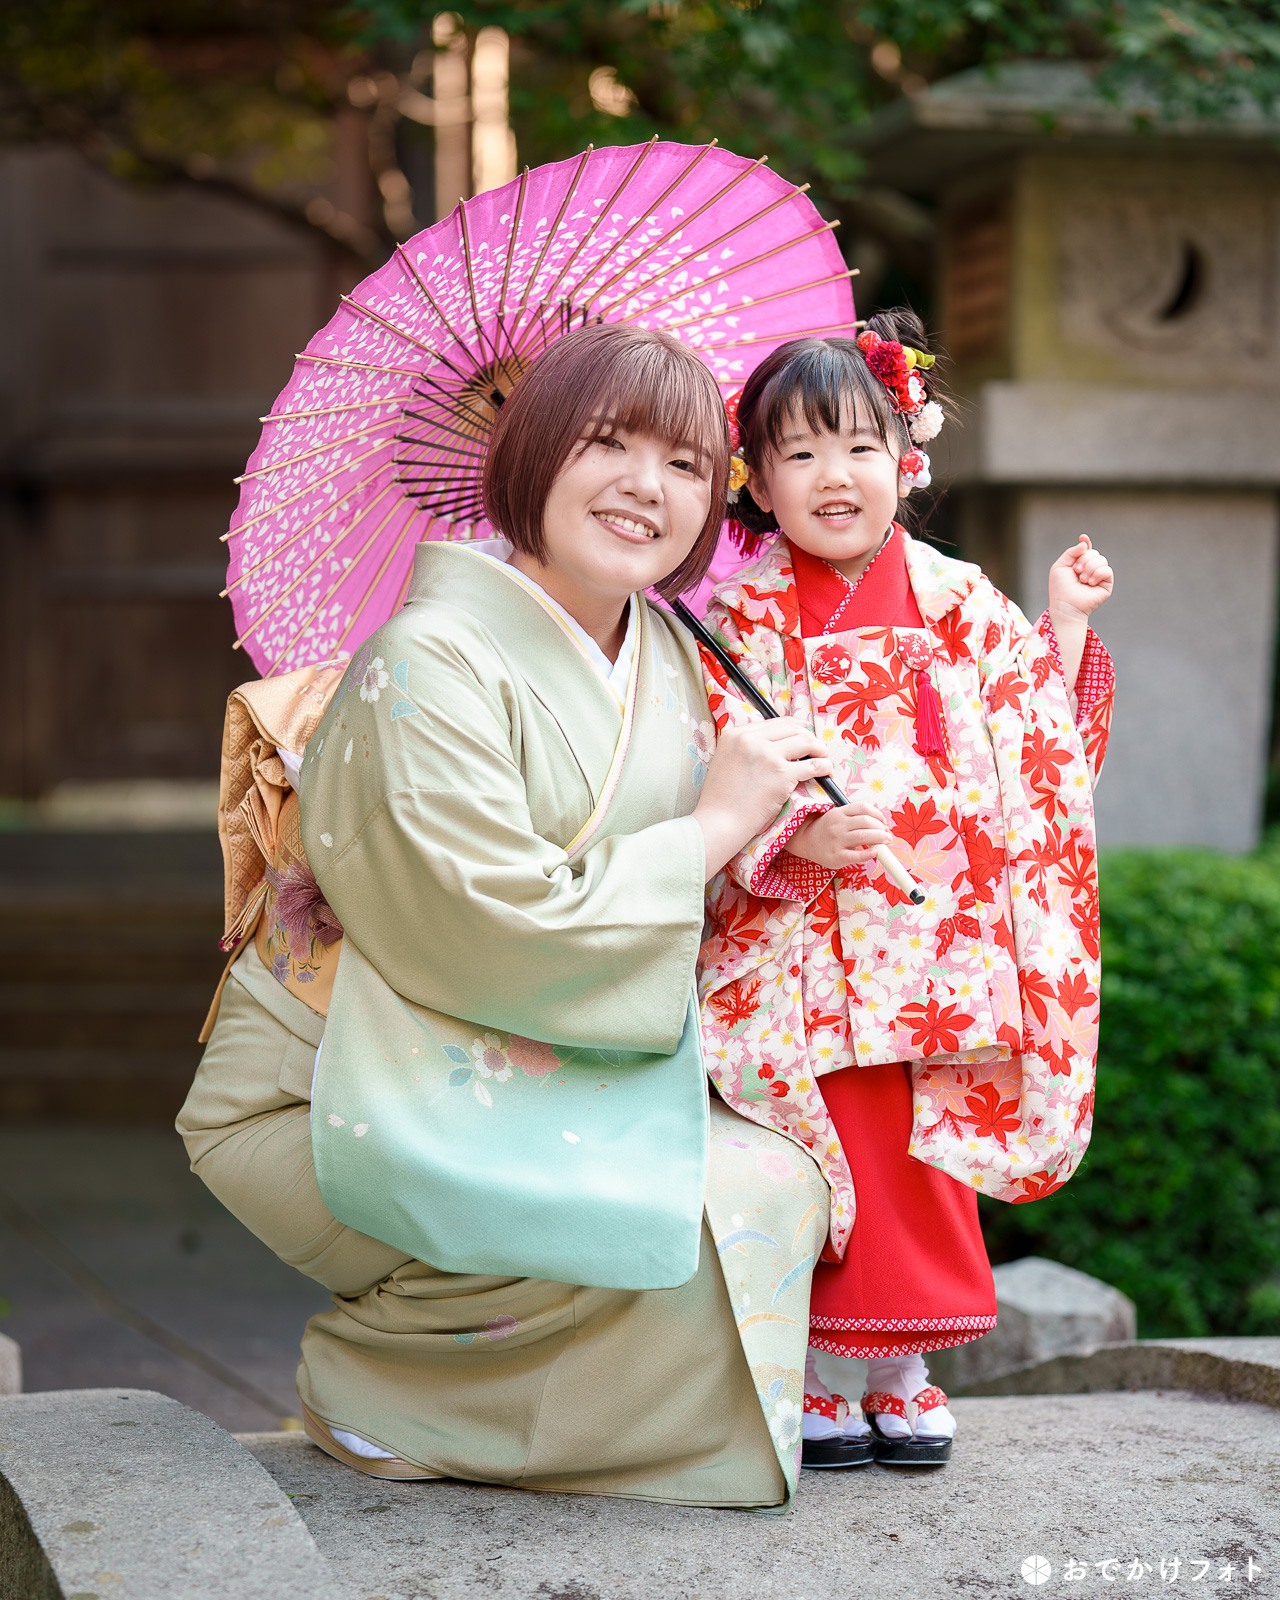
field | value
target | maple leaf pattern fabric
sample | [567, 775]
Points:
[990, 990]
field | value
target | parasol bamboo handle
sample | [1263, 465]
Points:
[889, 863]
[893, 868]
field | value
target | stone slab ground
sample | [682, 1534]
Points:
[1084, 1478]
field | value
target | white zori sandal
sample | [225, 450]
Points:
[356, 1452]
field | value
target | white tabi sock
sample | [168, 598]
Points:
[905, 1376]
[362, 1447]
[815, 1425]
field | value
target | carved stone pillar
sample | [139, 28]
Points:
[1110, 301]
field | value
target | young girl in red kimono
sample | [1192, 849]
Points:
[923, 1054]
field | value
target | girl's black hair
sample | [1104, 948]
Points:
[819, 378]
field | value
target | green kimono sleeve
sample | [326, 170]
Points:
[437, 805]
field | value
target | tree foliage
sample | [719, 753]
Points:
[1178, 1199]
[256, 96]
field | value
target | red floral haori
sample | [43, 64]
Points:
[989, 990]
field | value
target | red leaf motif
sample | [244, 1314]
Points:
[954, 632]
[1007, 690]
[1075, 993]
[1043, 761]
[990, 1117]
[992, 640]
[736, 1002]
[936, 1029]
[913, 823]
[1037, 1186]
[1037, 991]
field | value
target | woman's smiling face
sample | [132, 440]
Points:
[624, 511]
[834, 494]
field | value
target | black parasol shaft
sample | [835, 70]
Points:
[892, 866]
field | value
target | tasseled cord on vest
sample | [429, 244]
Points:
[930, 736]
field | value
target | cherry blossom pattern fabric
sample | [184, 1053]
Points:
[990, 990]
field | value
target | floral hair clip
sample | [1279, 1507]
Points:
[737, 464]
[895, 365]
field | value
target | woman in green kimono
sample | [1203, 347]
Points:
[511, 806]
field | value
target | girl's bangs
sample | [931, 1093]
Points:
[822, 383]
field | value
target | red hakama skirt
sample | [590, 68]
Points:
[915, 1276]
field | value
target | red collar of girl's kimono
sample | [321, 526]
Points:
[879, 598]
[765, 592]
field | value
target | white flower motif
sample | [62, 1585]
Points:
[491, 1059]
[927, 423]
[785, 1423]
[375, 679]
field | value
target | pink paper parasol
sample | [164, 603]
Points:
[378, 439]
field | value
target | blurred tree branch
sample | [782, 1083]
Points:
[274, 100]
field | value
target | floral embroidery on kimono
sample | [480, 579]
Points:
[990, 989]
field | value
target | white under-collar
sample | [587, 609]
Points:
[616, 674]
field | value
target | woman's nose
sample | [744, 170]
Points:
[642, 479]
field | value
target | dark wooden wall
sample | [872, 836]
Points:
[142, 334]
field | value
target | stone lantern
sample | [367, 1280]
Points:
[1108, 294]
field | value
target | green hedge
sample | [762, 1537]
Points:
[1178, 1200]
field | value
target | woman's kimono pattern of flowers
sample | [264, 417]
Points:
[990, 989]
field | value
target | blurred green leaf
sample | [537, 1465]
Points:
[1178, 1199]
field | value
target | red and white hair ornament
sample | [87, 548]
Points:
[898, 367]
[913, 470]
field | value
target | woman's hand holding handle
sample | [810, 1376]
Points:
[751, 776]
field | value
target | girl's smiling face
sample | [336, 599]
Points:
[834, 494]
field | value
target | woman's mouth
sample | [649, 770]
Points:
[626, 526]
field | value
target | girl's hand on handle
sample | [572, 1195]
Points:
[843, 837]
[1079, 581]
[750, 779]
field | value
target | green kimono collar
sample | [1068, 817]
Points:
[533, 640]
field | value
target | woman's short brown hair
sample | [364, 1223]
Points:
[630, 379]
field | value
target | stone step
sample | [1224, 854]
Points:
[115, 1016]
[124, 1492]
[109, 955]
